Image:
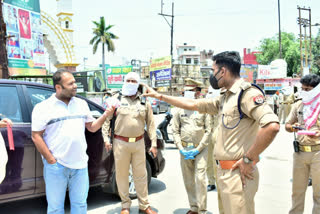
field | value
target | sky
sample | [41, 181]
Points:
[207, 24]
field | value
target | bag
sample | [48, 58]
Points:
[3, 159]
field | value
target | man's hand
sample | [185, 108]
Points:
[184, 152]
[154, 151]
[150, 92]
[52, 160]
[7, 121]
[246, 170]
[108, 146]
[109, 111]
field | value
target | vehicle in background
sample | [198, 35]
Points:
[24, 178]
[158, 105]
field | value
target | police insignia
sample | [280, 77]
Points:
[258, 99]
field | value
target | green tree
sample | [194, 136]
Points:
[316, 54]
[269, 48]
[105, 37]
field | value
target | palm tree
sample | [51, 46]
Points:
[105, 37]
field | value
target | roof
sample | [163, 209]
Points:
[20, 82]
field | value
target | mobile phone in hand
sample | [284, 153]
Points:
[297, 127]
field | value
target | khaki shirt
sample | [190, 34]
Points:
[296, 116]
[232, 144]
[132, 117]
[191, 127]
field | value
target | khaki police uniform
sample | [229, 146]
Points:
[191, 129]
[306, 163]
[233, 143]
[286, 107]
[131, 119]
[211, 165]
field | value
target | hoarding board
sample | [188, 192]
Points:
[160, 71]
[115, 75]
[25, 45]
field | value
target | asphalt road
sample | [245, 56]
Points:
[167, 194]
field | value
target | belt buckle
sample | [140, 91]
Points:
[132, 139]
[307, 148]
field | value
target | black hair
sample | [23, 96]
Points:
[230, 60]
[310, 80]
[198, 88]
[57, 76]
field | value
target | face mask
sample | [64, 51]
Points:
[129, 89]
[214, 81]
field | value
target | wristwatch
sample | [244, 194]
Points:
[246, 160]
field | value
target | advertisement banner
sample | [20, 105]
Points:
[272, 86]
[25, 45]
[115, 75]
[160, 70]
[273, 71]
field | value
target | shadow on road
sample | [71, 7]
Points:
[184, 211]
[133, 209]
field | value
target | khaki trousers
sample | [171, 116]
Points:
[305, 164]
[237, 199]
[131, 153]
[195, 182]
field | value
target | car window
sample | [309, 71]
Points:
[95, 111]
[37, 95]
[10, 105]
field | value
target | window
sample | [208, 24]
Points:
[10, 104]
[189, 49]
[67, 24]
[95, 111]
[188, 61]
[185, 49]
[37, 95]
[196, 61]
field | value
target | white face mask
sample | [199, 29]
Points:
[308, 96]
[129, 89]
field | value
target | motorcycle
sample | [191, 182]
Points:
[163, 127]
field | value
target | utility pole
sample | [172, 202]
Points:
[171, 47]
[280, 47]
[306, 61]
[4, 73]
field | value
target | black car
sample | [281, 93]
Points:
[24, 178]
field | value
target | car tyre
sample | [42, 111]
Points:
[132, 189]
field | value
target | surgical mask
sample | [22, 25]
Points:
[129, 89]
[214, 81]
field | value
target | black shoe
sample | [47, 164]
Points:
[310, 182]
[211, 187]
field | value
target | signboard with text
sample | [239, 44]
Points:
[115, 75]
[160, 71]
[25, 45]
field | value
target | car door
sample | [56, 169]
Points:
[35, 95]
[20, 170]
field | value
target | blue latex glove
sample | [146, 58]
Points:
[183, 152]
[189, 157]
[193, 152]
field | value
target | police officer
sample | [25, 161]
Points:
[240, 141]
[306, 162]
[128, 144]
[191, 133]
